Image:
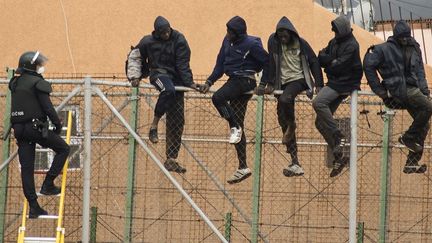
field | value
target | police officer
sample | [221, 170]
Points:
[31, 105]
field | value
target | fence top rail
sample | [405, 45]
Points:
[145, 85]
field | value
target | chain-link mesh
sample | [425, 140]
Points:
[308, 208]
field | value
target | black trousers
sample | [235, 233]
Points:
[286, 111]
[420, 109]
[167, 94]
[231, 103]
[170, 103]
[27, 137]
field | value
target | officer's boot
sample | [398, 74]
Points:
[48, 187]
[36, 210]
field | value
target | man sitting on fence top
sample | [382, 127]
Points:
[403, 86]
[240, 57]
[292, 61]
[164, 56]
[342, 64]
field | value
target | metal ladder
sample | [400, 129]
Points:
[59, 238]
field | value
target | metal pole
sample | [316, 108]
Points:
[58, 108]
[423, 39]
[87, 159]
[160, 165]
[228, 223]
[353, 170]
[257, 170]
[131, 168]
[5, 150]
[388, 116]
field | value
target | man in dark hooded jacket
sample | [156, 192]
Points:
[164, 56]
[403, 86]
[240, 57]
[291, 63]
[342, 64]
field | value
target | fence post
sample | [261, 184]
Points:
[5, 152]
[228, 223]
[360, 234]
[385, 179]
[257, 169]
[353, 169]
[131, 168]
[93, 224]
[87, 159]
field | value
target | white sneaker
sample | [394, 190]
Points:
[293, 170]
[239, 175]
[236, 135]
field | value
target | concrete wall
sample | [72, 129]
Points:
[100, 32]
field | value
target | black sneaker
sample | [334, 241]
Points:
[172, 165]
[153, 135]
[338, 166]
[419, 169]
[36, 211]
[50, 189]
[410, 144]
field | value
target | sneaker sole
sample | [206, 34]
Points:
[240, 179]
[235, 142]
[422, 169]
[288, 173]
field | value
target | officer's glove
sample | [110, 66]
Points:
[195, 86]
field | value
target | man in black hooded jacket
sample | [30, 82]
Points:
[291, 63]
[342, 64]
[240, 57]
[164, 56]
[403, 86]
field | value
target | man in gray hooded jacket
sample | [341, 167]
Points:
[403, 86]
[294, 68]
[342, 64]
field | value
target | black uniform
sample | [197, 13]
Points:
[31, 105]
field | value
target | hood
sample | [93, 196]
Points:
[160, 24]
[401, 29]
[341, 26]
[238, 25]
[285, 23]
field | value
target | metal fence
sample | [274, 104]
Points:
[380, 16]
[131, 199]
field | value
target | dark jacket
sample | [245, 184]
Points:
[308, 58]
[167, 58]
[30, 99]
[243, 57]
[388, 60]
[341, 58]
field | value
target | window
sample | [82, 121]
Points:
[45, 156]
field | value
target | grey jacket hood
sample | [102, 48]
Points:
[342, 27]
[285, 23]
[401, 29]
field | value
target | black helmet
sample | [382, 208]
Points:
[29, 61]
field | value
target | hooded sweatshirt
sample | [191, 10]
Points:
[389, 60]
[343, 64]
[309, 61]
[166, 57]
[241, 57]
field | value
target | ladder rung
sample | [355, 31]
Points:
[47, 217]
[43, 195]
[39, 239]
